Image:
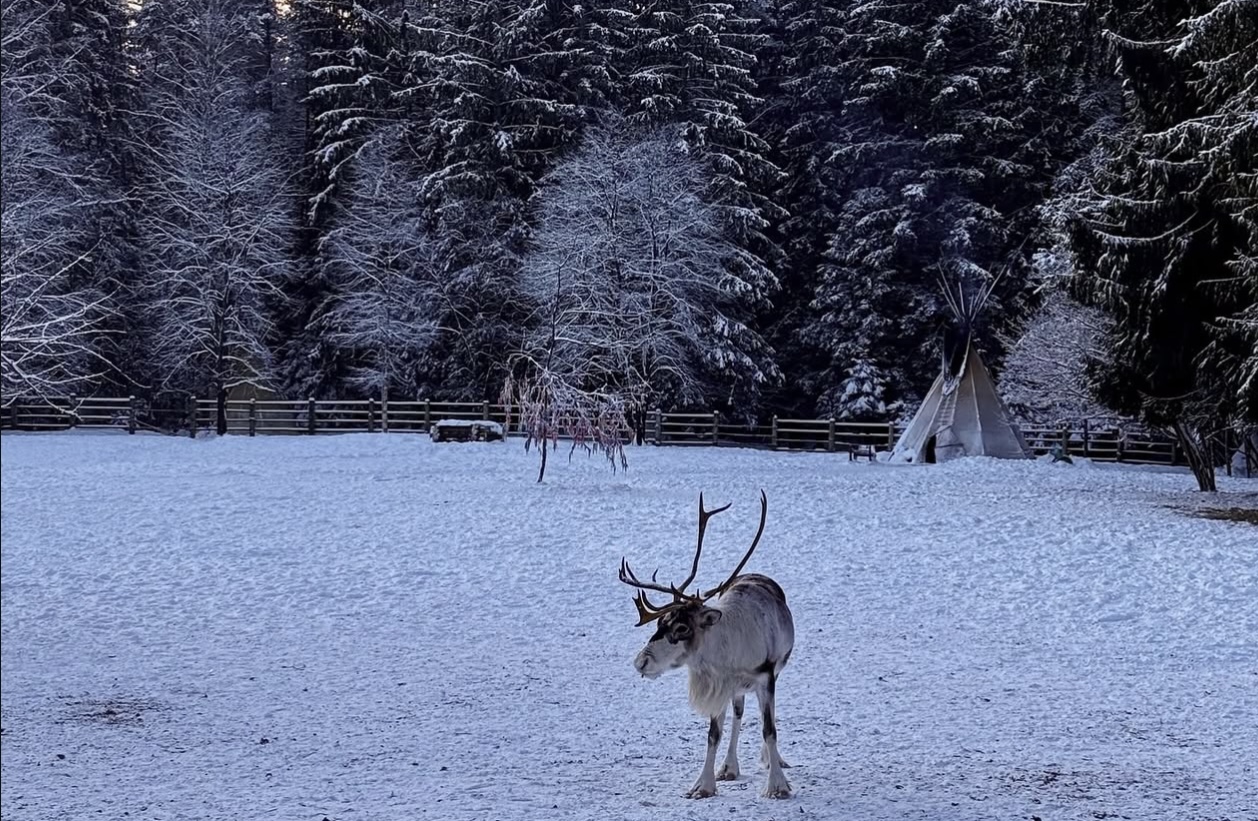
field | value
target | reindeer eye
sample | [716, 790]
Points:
[681, 631]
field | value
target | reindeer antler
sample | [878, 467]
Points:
[720, 588]
[649, 612]
[704, 515]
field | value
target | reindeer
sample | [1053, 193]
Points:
[738, 644]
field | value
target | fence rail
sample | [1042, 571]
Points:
[253, 417]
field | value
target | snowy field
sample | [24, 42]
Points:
[376, 627]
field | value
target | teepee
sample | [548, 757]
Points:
[963, 414]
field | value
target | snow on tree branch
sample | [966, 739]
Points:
[626, 271]
[215, 222]
[385, 272]
[1045, 377]
[50, 328]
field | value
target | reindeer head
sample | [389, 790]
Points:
[685, 619]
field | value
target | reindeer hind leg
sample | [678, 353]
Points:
[777, 786]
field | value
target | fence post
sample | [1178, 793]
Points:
[253, 416]
[72, 411]
[891, 436]
[716, 427]
[1175, 455]
[1120, 439]
[384, 409]
[484, 409]
[310, 416]
[773, 434]
[830, 437]
[427, 415]
[371, 415]
[131, 414]
[659, 425]
[1086, 439]
[192, 416]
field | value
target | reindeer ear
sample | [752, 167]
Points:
[709, 616]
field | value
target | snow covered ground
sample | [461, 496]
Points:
[378, 627]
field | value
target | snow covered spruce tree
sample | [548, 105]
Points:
[386, 290]
[874, 303]
[803, 91]
[349, 61]
[1167, 247]
[215, 223]
[626, 276]
[54, 322]
[496, 120]
[933, 147]
[357, 64]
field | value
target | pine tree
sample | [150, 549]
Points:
[496, 121]
[347, 64]
[932, 140]
[800, 80]
[1167, 246]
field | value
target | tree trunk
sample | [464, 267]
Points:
[221, 421]
[1198, 454]
[541, 473]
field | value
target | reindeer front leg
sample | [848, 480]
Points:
[777, 786]
[729, 770]
[705, 787]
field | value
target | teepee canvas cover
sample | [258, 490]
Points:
[963, 415]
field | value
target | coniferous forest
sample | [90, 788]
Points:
[745, 206]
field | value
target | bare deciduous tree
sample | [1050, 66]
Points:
[626, 272]
[627, 282]
[384, 312]
[51, 325]
[215, 223]
[549, 407]
[1045, 374]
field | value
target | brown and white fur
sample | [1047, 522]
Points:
[738, 645]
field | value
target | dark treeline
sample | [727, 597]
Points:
[745, 205]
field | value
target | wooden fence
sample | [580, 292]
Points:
[313, 417]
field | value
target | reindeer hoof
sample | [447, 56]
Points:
[777, 792]
[727, 773]
[701, 791]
